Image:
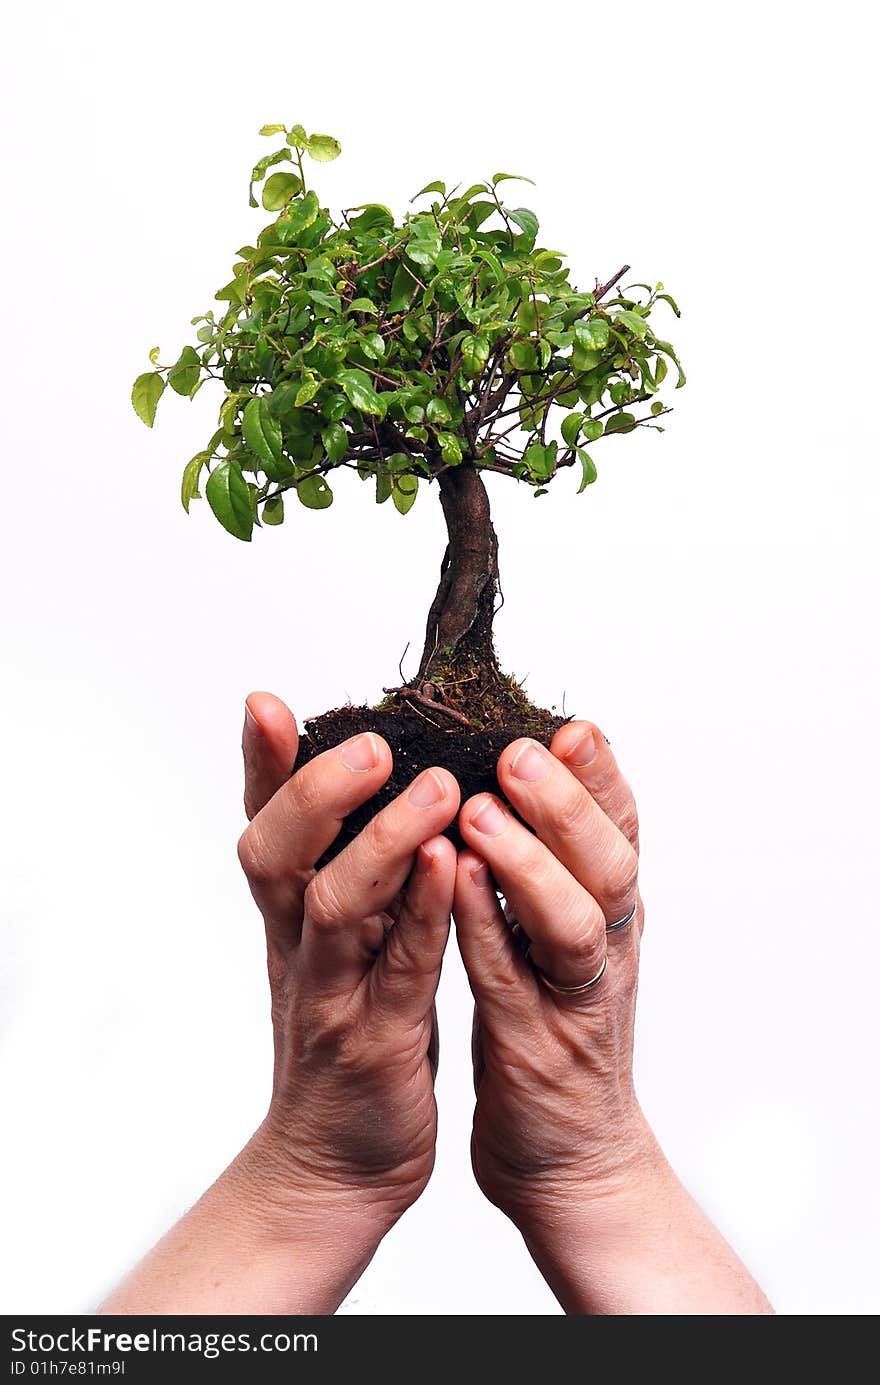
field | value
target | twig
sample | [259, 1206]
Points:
[602, 289]
[400, 664]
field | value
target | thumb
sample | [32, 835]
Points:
[501, 980]
[407, 971]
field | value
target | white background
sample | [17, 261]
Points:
[711, 602]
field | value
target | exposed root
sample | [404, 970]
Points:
[411, 695]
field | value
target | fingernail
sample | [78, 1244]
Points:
[583, 750]
[480, 876]
[530, 763]
[490, 818]
[426, 791]
[250, 720]
[360, 753]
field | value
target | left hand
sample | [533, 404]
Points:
[556, 1109]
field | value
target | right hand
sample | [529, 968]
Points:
[354, 955]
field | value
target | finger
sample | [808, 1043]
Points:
[269, 742]
[405, 977]
[565, 924]
[343, 900]
[500, 978]
[583, 749]
[279, 849]
[570, 822]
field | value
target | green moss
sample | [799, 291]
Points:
[488, 698]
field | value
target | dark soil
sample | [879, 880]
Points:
[469, 753]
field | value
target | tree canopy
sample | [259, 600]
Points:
[402, 348]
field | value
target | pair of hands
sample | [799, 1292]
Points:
[355, 951]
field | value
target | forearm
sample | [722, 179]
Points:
[643, 1247]
[250, 1245]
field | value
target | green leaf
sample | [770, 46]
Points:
[571, 426]
[403, 289]
[438, 411]
[229, 496]
[375, 218]
[258, 172]
[667, 297]
[314, 493]
[383, 486]
[425, 243]
[431, 187]
[323, 148]
[670, 352]
[154, 355]
[540, 459]
[262, 433]
[583, 360]
[404, 492]
[184, 375]
[523, 356]
[335, 440]
[189, 486]
[634, 321]
[362, 305]
[336, 408]
[271, 129]
[589, 470]
[526, 220]
[302, 214]
[297, 136]
[593, 335]
[507, 177]
[592, 429]
[279, 189]
[657, 407]
[146, 392]
[474, 353]
[373, 345]
[359, 389]
[620, 423]
[450, 448]
[273, 510]
[307, 391]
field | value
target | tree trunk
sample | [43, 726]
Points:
[459, 629]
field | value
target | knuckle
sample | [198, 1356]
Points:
[572, 816]
[628, 820]
[382, 838]
[621, 877]
[322, 902]
[254, 858]
[306, 795]
[584, 934]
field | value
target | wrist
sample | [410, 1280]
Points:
[598, 1184]
[286, 1196]
[256, 1243]
[631, 1241]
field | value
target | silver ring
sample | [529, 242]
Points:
[571, 990]
[621, 923]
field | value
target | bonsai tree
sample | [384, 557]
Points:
[420, 354]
